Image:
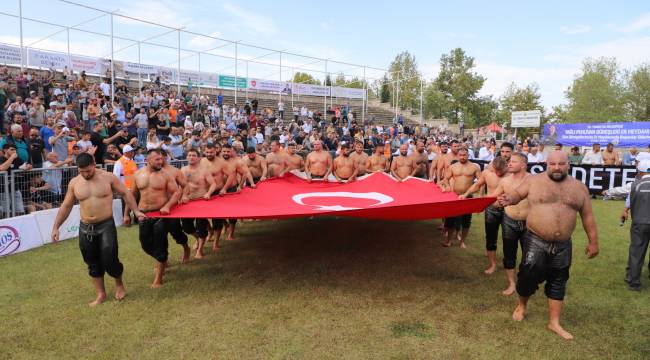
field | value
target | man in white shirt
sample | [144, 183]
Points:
[307, 126]
[106, 88]
[593, 156]
[484, 152]
[534, 156]
[281, 109]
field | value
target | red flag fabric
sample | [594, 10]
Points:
[374, 196]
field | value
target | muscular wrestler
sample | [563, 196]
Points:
[276, 160]
[493, 213]
[232, 168]
[174, 226]
[344, 168]
[214, 163]
[360, 158]
[377, 162]
[403, 166]
[256, 165]
[200, 185]
[158, 192]
[94, 189]
[294, 161]
[318, 164]
[610, 157]
[421, 160]
[554, 201]
[446, 159]
[513, 226]
[459, 177]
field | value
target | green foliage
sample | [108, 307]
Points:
[459, 84]
[304, 78]
[597, 95]
[384, 92]
[637, 97]
[328, 80]
[404, 72]
[519, 99]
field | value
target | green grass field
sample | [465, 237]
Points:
[323, 288]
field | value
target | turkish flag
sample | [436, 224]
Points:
[375, 196]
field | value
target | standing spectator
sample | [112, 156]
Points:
[177, 141]
[629, 158]
[36, 147]
[22, 85]
[112, 155]
[637, 202]
[153, 142]
[36, 114]
[125, 168]
[575, 157]
[281, 109]
[593, 156]
[59, 141]
[3, 103]
[105, 86]
[142, 123]
[484, 152]
[10, 162]
[18, 141]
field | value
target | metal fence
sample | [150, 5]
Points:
[26, 191]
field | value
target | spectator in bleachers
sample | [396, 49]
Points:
[59, 141]
[629, 158]
[10, 162]
[36, 147]
[17, 139]
[112, 155]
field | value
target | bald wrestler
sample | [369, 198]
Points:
[344, 168]
[318, 164]
[403, 166]
[554, 200]
[493, 213]
[360, 158]
[158, 192]
[459, 177]
[94, 189]
[200, 185]
[378, 161]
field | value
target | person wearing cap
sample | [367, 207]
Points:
[59, 141]
[575, 157]
[126, 167]
[637, 206]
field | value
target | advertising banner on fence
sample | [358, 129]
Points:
[269, 85]
[311, 90]
[87, 64]
[9, 54]
[70, 228]
[143, 69]
[19, 234]
[47, 59]
[596, 177]
[208, 79]
[226, 81]
[350, 93]
[621, 134]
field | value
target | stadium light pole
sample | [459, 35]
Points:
[236, 78]
[246, 80]
[112, 63]
[325, 97]
[20, 23]
[67, 30]
[280, 93]
[178, 65]
[198, 81]
[365, 98]
[293, 76]
[421, 101]
[139, 71]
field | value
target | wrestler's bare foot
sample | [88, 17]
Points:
[198, 255]
[195, 246]
[446, 244]
[100, 299]
[156, 285]
[509, 290]
[491, 269]
[186, 255]
[120, 292]
[462, 245]
[519, 313]
[556, 328]
[216, 247]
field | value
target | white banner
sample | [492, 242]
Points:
[208, 79]
[167, 75]
[9, 54]
[19, 234]
[70, 228]
[87, 64]
[269, 85]
[525, 118]
[47, 59]
[346, 92]
[144, 69]
[187, 75]
[311, 90]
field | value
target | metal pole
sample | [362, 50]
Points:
[246, 80]
[280, 74]
[236, 85]
[325, 97]
[365, 98]
[293, 75]
[112, 64]
[421, 101]
[68, 35]
[397, 96]
[139, 71]
[20, 21]
[178, 66]
[198, 81]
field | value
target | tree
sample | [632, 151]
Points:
[404, 72]
[304, 78]
[519, 99]
[384, 92]
[637, 99]
[328, 80]
[458, 83]
[435, 104]
[597, 95]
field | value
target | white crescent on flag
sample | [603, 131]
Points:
[379, 197]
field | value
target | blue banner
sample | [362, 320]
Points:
[621, 134]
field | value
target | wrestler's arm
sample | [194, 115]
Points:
[64, 210]
[243, 171]
[308, 167]
[514, 197]
[230, 181]
[334, 167]
[475, 187]
[264, 169]
[355, 173]
[213, 185]
[185, 192]
[330, 164]
[120, 189]
[414, 166]
[589, 223]
[173, 189]
[393, 166]
[446, 180]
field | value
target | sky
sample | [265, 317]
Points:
[512, 41]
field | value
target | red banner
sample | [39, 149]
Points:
[375, 196]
